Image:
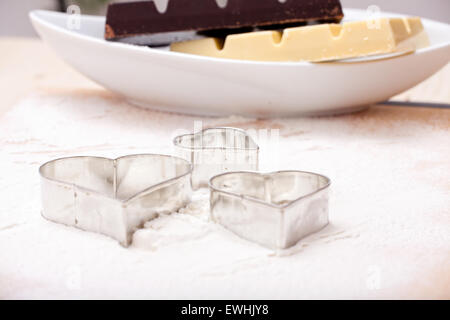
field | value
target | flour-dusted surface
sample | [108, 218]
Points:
[389, 232]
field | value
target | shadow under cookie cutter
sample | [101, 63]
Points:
[274, 209]
[114, 197]
[217, 150]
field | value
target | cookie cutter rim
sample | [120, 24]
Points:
[124, 216]
[194, 147]
[41, 168]
[268, 174]
[221, 152]
[255, 218]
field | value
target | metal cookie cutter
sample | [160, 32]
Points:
[217, 150]
[113, 197]
[275, 209]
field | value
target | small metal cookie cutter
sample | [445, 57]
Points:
[217, 150]
[275, 209]
[113, 197]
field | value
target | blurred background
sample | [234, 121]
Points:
[14, 19]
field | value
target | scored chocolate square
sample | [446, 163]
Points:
[131, 19]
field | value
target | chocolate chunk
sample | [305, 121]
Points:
[130, 19]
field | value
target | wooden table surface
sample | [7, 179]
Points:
[391, 217]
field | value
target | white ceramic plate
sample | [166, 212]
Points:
[165, 80]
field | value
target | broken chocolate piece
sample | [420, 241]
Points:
[130, 19]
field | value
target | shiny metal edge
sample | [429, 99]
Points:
[115, 159]
[176, 143]
[284, 206]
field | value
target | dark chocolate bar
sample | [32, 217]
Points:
[130, 19]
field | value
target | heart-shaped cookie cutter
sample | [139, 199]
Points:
[217, 150]
[114, 197]
[274, 209]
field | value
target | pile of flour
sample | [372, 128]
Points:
[389, 232]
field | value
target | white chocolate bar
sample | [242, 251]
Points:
[315, 43]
